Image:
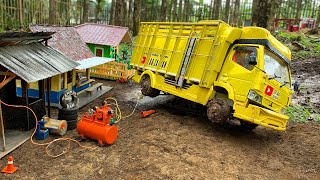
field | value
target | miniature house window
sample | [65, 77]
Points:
[99, 52]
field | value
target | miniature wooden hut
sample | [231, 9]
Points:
[68, 41]
[25, 58]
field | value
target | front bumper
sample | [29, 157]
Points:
[261, 116]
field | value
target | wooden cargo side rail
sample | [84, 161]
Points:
[111, 70]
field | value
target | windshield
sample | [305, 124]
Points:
[276, 68]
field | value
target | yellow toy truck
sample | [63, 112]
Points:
[236, 72]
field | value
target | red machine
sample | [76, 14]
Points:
[99, 126]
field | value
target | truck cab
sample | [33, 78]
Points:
[263, 82]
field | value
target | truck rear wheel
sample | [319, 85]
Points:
[218, 111]
[147, 90]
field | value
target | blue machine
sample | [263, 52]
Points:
[42, 133]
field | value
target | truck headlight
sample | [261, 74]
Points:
[254, 96]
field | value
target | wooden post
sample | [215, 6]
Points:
[48, 95]
[88, 73]
[25, 96]
[3, 139]
[42, 92]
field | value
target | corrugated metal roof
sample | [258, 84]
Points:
[11, 38]
[33, 62]
[104, 34]
[91, 62]
[66, 40]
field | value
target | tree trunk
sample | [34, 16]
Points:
[163, 15]
[175, 17]
[124, 10]
[211, 10]
[318, 17]
[119, 15]
[85, 11]
[180, 10]
[136, 16]
[216, 11]
[264, 12]
[299, 7]
[273, 7]
[169, 11]
[52, 12]
[185, 10]
[226, 12]
[98, 10]
[130, 23]
[113, 6]
[236, 13]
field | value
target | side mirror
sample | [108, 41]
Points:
[253, 59]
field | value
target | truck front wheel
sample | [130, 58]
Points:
[147, 90]
[248, 126]
[218, 110]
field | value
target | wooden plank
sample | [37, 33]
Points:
[7, 81]
[94, 87]
[7, 73]
[3, 139]
[86, 82]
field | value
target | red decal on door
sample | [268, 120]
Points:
[144, 59]
[269, 90]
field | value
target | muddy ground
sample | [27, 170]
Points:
[178, 142]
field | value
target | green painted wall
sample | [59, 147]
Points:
[106, 49]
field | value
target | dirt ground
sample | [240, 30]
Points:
[178, 142]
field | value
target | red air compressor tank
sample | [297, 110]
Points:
[98, 126]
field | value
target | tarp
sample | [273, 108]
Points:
[94, 61]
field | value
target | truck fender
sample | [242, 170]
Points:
[151, 75]
[227, 87]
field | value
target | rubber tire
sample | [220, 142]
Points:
[64, 111]
[74, 96]
[72, 124]
[218, 111]
[68, 117]
[247, 126]
[147, 90]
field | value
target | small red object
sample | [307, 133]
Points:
[143, 59]
[147, 113]
[269, 90]
[9, 169]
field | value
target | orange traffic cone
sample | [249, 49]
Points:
[10, 168]
[147, 113]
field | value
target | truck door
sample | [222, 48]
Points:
[239, 69]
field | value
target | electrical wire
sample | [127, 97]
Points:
[118, 110]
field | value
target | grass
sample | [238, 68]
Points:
[311, 44]
[300, 114]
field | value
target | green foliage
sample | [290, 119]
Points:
[297, 114]
[301, 114]
[317, 118]
[310, 44]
